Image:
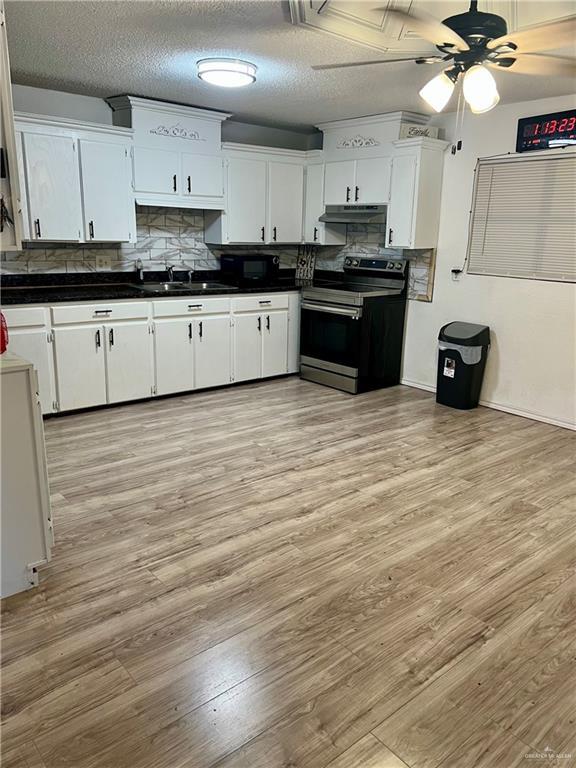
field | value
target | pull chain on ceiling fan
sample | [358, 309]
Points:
[473, 41]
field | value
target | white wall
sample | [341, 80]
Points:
[531, 366]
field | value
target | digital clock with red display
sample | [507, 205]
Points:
[557, 129]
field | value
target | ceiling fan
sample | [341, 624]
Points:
[473, 41]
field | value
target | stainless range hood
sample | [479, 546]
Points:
[354, 214]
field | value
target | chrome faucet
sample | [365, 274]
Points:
[190, 275]
[139, 267]
[170, 270]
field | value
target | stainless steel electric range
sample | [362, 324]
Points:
[352, 326]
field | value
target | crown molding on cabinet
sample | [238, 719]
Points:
[387, 117]
[29, 119]
[118, 103]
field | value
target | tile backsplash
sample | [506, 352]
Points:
[176, 236]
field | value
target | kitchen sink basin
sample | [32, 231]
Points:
[176, 287]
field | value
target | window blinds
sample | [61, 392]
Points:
[523, 219]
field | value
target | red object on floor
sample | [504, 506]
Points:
[3, 333]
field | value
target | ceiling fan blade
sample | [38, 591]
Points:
[533, 64]
[545, 37]
[420, 59]
[429, 28]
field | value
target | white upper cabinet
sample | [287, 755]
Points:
[264, 191]
[338, 182]
[177, 152]
[203, 175]
[246, 201]
[361, 182]
[315, 231]
[285, 198]
[53, 187]
[108, 207]
[156, 171]
[416, 186]
[77, 180]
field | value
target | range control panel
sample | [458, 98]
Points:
[352, 264]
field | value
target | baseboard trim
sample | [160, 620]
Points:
[500, 407]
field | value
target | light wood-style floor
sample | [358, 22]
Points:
[280, 575]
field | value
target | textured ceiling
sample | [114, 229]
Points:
[150, 49]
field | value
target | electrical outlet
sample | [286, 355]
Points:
[103, 262]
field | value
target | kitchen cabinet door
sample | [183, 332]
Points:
[202, 176]
[174, 355]
[247, 347]
[316, 231]
[285, 198]
[53, 184]
[275, 343]
[339, 182]
[106, 191]
[246, 207]
[212, 345]
[128, 360]
[156, 170]
[400, 224]
[80, 367]
[372, 185]
[32, 344]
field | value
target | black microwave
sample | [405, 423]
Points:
[248, 268]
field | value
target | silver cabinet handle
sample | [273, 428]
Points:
[331, 310]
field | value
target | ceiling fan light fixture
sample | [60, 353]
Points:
[437, 92]
[480, 89]
[227, 73]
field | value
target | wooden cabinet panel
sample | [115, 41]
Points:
[128, 360]
[247, 347]
[80, 366]
[106, 191]
[274, 343]
[285, 200]
[156, 171]
[212, 351]
[174, 357]
[53, 187]
[246, 206]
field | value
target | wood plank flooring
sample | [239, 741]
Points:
[279, 575]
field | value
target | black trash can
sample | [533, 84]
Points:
[462, 353]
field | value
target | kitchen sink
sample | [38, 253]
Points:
[176, 287]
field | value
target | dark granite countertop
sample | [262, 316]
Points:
[108, 286]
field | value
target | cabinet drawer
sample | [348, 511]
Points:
[24, 317]
[88, 313]
[191, 305]
[260, 302]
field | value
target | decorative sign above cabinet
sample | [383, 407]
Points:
[177, 132]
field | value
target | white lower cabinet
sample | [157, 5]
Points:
[80, 366]
[247, 347]
[275, 343]
[128, 361]
[174, 355]
[212, 342]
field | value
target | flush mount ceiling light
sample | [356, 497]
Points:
[227, 73]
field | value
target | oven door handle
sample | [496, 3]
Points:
[332, 310]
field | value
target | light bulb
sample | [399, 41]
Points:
[437, 92]
[227, 73]
[480, 89]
